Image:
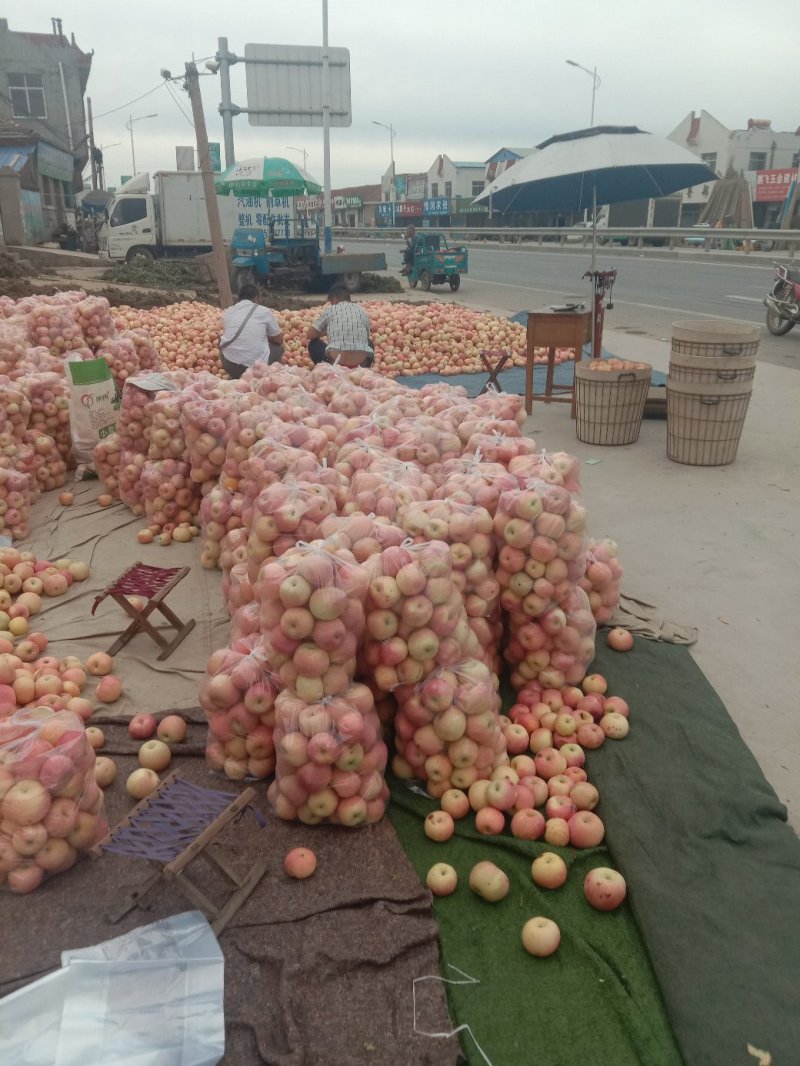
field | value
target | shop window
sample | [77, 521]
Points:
[434, 188]
[27, 96]
[129, 210]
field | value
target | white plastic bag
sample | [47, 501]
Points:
[93, 407]
[152, 997]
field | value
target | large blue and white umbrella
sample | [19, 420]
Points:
[602, 165]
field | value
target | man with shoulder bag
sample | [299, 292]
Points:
[251, 334]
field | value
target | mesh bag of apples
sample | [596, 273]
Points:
[50, 804]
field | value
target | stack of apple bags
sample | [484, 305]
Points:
[37, 336]
[488, 544]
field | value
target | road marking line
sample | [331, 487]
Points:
[749, 299]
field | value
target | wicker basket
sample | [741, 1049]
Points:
[609, 404]
[712, 370]
[704, 422]
[711, 337]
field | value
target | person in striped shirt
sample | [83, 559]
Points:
[346, 329]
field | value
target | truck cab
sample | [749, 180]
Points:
[130, 230]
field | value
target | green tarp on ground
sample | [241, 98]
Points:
[711, 961]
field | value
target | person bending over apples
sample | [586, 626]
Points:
[346, 326]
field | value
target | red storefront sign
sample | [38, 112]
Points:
[772, 185]
[408, 209]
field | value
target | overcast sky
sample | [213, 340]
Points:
[464, 77]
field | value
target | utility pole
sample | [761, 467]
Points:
[91, 140]
[326, 134]
[212, 207]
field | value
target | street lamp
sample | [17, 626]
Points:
[305, 153]
[392, 131]
[595, 82]
[129, 127]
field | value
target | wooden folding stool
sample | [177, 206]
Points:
[170, 828]
[493, 369]
[154, 582]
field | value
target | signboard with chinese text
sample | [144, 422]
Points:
[309, 203]
[436, 205]
[341, 202]
[464, 206]
[416, 186]
[773, 185]
[262, 210]
[215, 156]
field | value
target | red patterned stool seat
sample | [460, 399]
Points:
[154, 583]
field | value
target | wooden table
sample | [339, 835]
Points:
[555, 329]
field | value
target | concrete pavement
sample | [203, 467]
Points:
[715, 547]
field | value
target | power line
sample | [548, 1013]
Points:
[123, 106]
[178, 103]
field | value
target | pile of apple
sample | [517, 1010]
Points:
[120, 354]
[207, 423]
[15, 501]
[220, 514]
[448, 730]
[146, 353]
[170, 497]
[284, 513]
[107, 458]
[540, 529]
[238, 697]
[48, 394]
[93, 315]
[330, 759]
[472, 481]
[50, 805]
[409, 338]
[602, 578]
[467, 530]
[46, 466]
[236, 588]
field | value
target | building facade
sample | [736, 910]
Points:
[43, 137]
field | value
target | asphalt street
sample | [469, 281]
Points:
[654, 287]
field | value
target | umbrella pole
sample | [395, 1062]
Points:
[595, 298]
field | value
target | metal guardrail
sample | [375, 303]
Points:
[767, 240]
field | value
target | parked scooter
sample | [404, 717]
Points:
[783, 302]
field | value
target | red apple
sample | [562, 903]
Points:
[527, 824]
[488, 881]
[620, 639]
[549, 870]
[142, 726]
[172, 729]
[604, 888]
[439, 826]
[300, 863]
[540, 937]
[586, 830]
[442, 879]
[141, 783]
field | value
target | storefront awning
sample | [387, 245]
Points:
[15, 156]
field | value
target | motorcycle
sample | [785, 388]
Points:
[783, 302]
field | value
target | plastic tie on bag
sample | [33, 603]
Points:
[465, 1027]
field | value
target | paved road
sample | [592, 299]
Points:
[653, 289]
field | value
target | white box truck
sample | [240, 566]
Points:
[171, 221]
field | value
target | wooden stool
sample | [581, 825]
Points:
[154, 582]
[171, 828]
[555, 329]
[502, 356]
